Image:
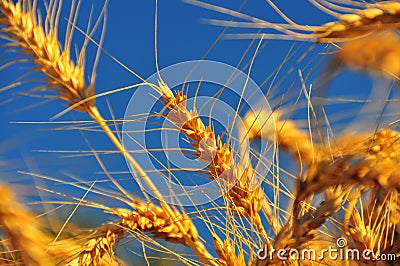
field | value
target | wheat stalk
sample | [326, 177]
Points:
[68, 78]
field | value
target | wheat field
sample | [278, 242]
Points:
[200, 132]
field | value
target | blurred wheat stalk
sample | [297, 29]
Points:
[356, 179]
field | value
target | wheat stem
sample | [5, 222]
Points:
[202, 253]
[69, 79]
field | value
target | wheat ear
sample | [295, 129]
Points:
[301, 230]
[287, 133]
[245, 201]
[99, 250]
[152, 219]
[374, 18]
[303, 225]
[378, 53]
[145, 218]
[226, 253]
[374, 227]
[378, 17]
[374, 162]
[55, 63]
[22, 230]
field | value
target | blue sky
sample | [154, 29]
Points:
[182, 35]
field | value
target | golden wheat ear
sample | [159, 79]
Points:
[244, 201]
[378, 53]
[373, 225]
[375, 18]
[22, 231]
[371, 19]
[99, 250]
[21, 24]
[145, 218]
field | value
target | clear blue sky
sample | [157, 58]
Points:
[182, 35]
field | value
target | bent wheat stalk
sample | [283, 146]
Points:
[62, 73]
